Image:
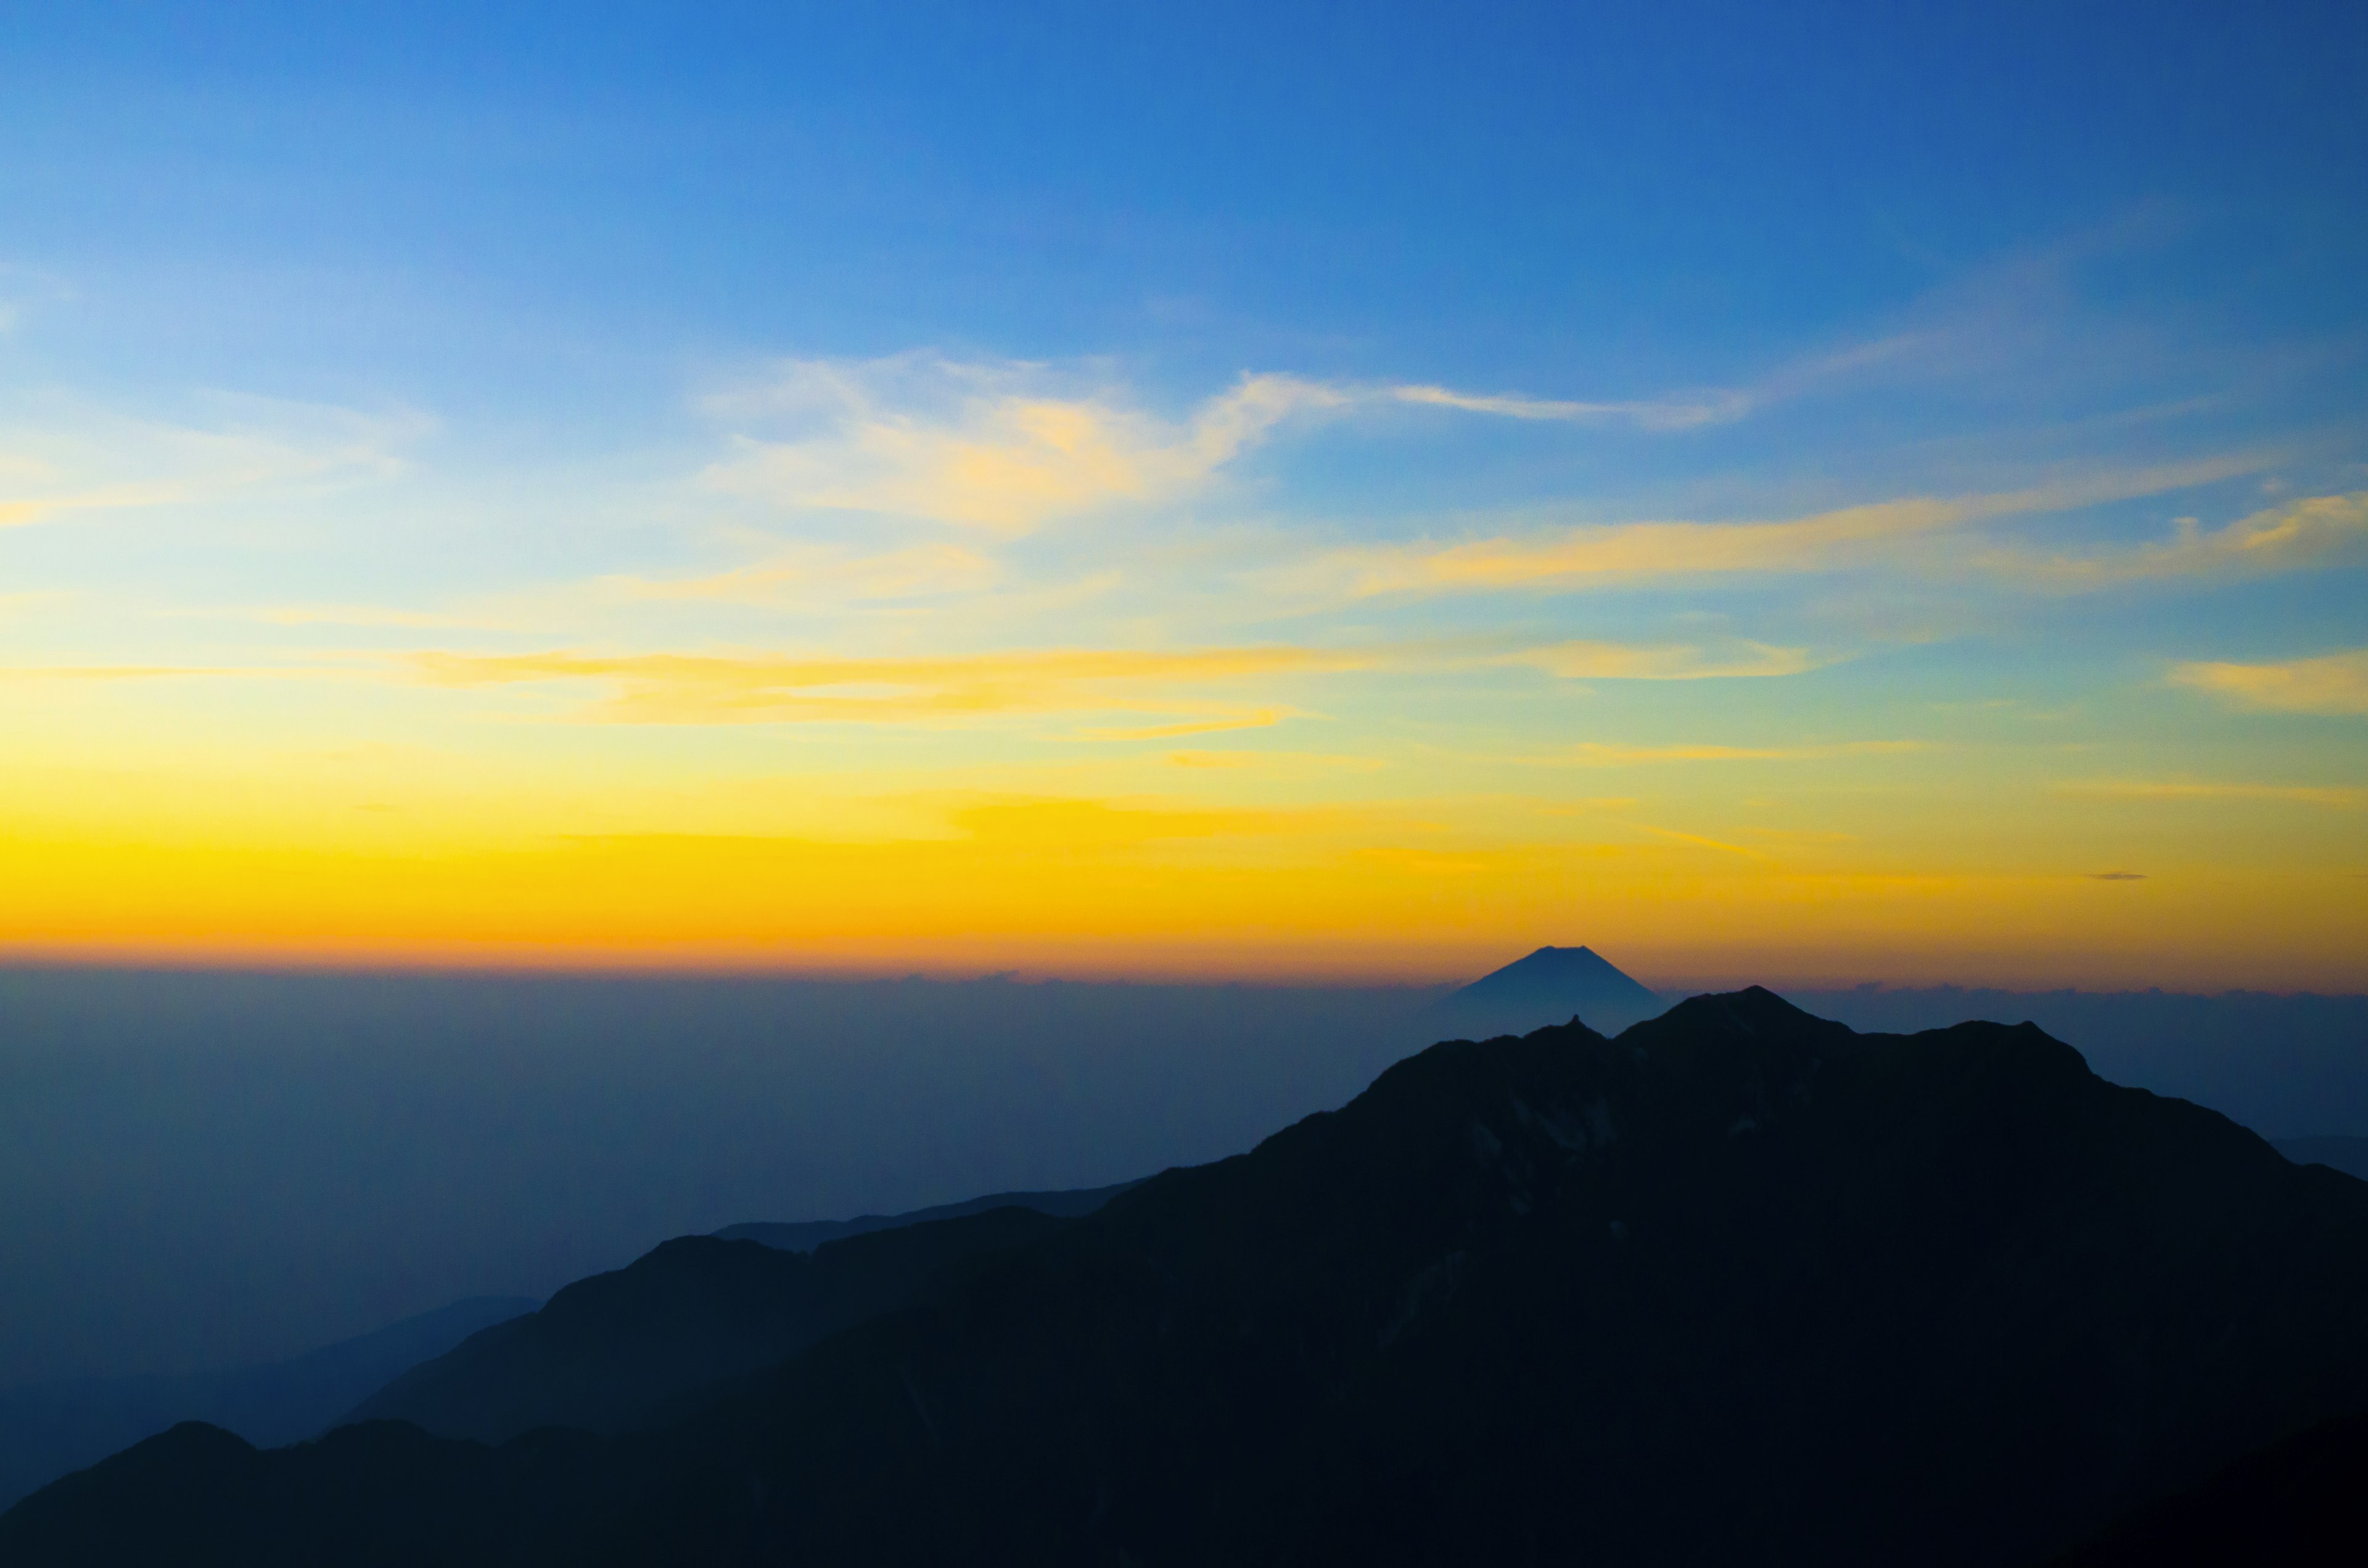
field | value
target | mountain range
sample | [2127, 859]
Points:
[1740, 1285]
[48, 1429]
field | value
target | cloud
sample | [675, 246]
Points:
[2341, 798]
[1253, 719]
[2333, 683]
[682, 688]
[1585, 556]
[1682, 412]
[1699, 842]
[1001, 447]
[359, 615]
[81, 461]
[778, 689]
[1618, 661]
[2299, 534]
[1675, 414]
[1593, 752]
[923, 571]
[117, 672]
[983, 445]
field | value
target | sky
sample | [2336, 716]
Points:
[1813, 494]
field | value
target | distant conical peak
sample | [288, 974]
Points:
[1558, 965]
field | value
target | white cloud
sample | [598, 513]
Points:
[984, 445]
[2314, 531]
[1623, 661]
[1563, 559]
[76, 460]
[2333, 683]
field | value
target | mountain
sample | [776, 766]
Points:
[621, 1349]
[2299, 1504]
[1552, 986]
[49, 1429]
[2349, 1155]
[1739, 1285]
[806, 1235]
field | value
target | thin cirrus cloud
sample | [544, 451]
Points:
[1623, 661]
[74, 460]
[932, 570]
[1688, 412]
[2314, 531]
[2332, 683]
[982, 446]
[778, 689]
[1589, 555]
[986, 446]
[1601, 754]
[2342, 797]
[680, 688]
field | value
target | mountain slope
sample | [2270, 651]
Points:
[50, 1429]
[2299, 1504]
[1552, 986]
[807, 1235]
[620, 1349]
[1740, 1286]
[2349, 1155]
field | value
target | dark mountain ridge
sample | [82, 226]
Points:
[804, 1235]
[621, 1349]
[1740, 1286]
[49, 1429]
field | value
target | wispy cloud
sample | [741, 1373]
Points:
[2332, 683]
[667, 687]
[1606, 755]
[361, 615]
[1008, 447]
[1699, 842]
[933, 570]
[676, 689]
[78, 461]
[1687, 411]
[1250, 719]
[1582, 556]
[2343, 797]
[80, 673]
[2314, 531]
[1620, 661]
[984, 445]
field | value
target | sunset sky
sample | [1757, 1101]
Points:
[1263, 491]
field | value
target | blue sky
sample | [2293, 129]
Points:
[1943, 428]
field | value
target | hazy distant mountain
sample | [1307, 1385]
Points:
[49, 1429]
[2349, 1155]
[1740, 1286]
[1552, 986]
[620, 1349]
[806, 1235]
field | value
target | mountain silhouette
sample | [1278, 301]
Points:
[1738, 1286]
[621, 1349]
[807, 1235]
[1552, 986]
[2299, 1504]
[49, 1429]
[2349, 1155]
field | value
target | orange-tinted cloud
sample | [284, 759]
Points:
[2332, 683]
